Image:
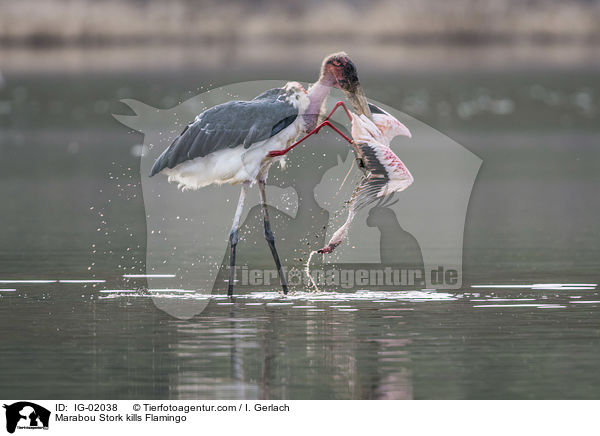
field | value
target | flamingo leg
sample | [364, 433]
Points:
[316, 130]
[335, 107]
[233, 236]
[325, 122]
[269, 235]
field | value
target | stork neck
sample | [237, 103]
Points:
[316, 95]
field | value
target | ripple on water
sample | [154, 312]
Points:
[346, 301]
[537, 306]
[542, 286]
[362, 295]
[274, 299]
[150, 276]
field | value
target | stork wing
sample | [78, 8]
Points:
[229, 125]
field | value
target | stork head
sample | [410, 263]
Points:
[339, 71]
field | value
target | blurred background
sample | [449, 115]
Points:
[514, 81]
[110, 35]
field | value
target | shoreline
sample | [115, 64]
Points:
[255, 57]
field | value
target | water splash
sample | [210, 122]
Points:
[307, 270]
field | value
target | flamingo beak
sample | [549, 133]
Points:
[403, 130]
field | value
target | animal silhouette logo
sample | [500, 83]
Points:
[187, 231]
[26, 415]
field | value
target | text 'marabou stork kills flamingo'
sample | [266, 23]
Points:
[237, 141]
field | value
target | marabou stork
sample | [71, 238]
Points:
[236, 142]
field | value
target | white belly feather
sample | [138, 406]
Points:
[233, 165]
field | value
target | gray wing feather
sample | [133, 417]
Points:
[229, 125]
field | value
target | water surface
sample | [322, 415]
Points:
[72, 210]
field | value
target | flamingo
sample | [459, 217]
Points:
[237, 142]
[384, 172]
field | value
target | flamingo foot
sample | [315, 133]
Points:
[329, 247]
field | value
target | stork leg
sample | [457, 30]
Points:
[233, 236]
[269, 235]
